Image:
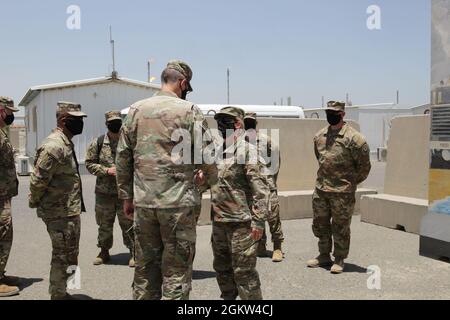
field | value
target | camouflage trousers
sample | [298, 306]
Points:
[65, 236]
[332, 218]
[235, 261]
[197, 212]
[6, 234]
[106, 209]
[274, 220]
[164, 253]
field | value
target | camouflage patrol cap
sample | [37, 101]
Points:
[113, 115]
[336, 106]
[8, 103]
[250, 116]
[70, 108]
[183, 68]
[231, 111]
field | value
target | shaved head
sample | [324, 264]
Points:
[171, 76]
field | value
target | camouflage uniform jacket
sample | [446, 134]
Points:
[55, 186]
[145, 170]
[242, 191]
[265, 155]
[99, 161]
[344, 159]
[8, 177]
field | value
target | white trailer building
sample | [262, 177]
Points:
[96, 97]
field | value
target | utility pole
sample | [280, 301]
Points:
[149, 66]
[228, 85]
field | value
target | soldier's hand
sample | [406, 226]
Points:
[257, 234]
[111, 171]
[128, 209]
[200, 178]
[31, 204]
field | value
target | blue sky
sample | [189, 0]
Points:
[275, 49]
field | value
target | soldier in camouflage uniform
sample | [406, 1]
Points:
[267, 149]
[239, 210]
[100, 161]
[8, 190]
[344, 162]
[56, 192]
[164, 190]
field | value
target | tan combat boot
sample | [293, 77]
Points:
[338, 266]
[131, 263]
[323, 260]
[8, 291]
[102, 258]
[278, 254]
[262, 250]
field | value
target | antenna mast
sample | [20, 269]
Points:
[113, 51]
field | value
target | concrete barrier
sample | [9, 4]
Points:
[405, 201]
[408, 159]
[293, 205]
[394, 212]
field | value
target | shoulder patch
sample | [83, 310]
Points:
[359, 140]
[54, 149]
[365, 148]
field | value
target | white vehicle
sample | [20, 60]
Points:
[261, 110]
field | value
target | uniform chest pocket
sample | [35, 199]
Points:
[338, 153]
[107, 157]
[66, 177]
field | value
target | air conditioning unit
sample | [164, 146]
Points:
[382, 154]
[23, 166]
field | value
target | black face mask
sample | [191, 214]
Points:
[9, 119]
[114, 126]
[250, 124]
[333, 118]
[184, 94]
[75, 126]
[225, 125]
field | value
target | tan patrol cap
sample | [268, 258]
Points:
[113, 115]
[70, 108]
[183, 68]
[8, 103]
[231, 111]
[250, 116]
[336, 106]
